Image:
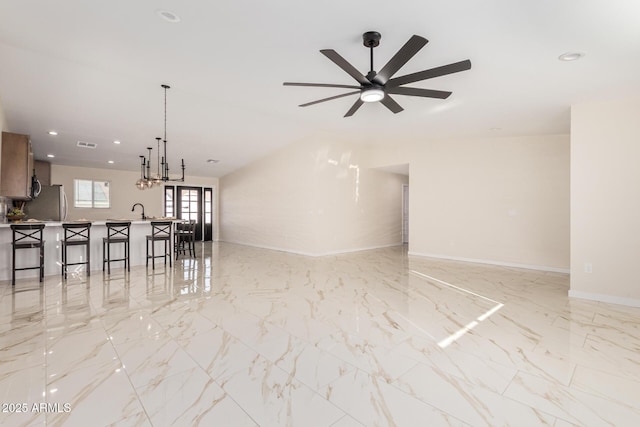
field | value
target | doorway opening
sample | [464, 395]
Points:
[191, 204]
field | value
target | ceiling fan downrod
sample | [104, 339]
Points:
[371, 39]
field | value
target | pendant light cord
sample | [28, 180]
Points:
[159, 175]
[165, 112]
[165, 169]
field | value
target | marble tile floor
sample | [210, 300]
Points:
[243, 336]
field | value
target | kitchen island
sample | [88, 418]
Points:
[53, 232]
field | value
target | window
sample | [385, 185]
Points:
[189, 203]
[207, 206]
[168, 201]
[91, 194]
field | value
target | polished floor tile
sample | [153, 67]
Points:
[242, 336]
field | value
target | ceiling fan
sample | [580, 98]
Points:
[378, 86]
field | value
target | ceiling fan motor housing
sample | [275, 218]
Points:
[371, 39]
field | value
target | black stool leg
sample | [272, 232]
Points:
[41, 262]
[88, 259]
[13, 268]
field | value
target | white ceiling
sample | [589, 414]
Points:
[92, 71]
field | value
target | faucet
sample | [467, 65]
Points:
[142, 206]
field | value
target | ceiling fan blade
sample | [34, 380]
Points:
[431, 73]
[414, 91]
[392, 105]
[354, 107]
[348, 68]
[320, 85]
[401, 57]
[329, 99]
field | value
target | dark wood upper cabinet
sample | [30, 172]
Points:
[16, 166]
[43, 172]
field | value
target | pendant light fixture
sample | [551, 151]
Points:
[162, 166]
[141, 184]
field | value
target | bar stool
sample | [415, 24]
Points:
[117, 232]
[27, 236]
[160, 231]
[184, 237]
[76, 234]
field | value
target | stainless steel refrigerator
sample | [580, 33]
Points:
[50, 205]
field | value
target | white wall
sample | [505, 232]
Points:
[269, 203]
[357, 207]
[3, 124]
[605, 200]
[123, 192]
[3, 120]
[498, 200]
[312, 198]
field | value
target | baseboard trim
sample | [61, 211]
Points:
[492, 262]
[604, 298]
[271, 248]
[312, 254]
[348, 251]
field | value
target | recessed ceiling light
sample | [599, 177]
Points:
[168, 16]
[53, 132]
[51, 156]
[571, 56]
[116, 142]
[110, 162]
[212, 161]
[495, 129]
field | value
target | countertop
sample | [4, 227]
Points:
[96, 222]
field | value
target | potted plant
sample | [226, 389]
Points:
[15, 214]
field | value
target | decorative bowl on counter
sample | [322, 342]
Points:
[15, 218]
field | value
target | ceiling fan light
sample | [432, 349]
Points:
[372, 95]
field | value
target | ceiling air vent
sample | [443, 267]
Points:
[83, 144]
